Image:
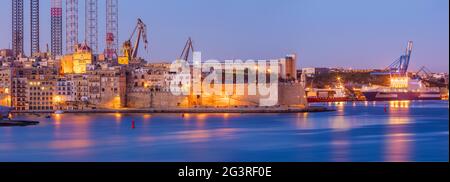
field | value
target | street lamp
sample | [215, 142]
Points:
[339, 81]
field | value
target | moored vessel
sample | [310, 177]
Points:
[402, 88]
[59, 112]
[327, 95]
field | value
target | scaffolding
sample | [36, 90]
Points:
[112, 28]
[56, 28]
[17, 27]
[34, 17]
[91, 27]
[71, 25]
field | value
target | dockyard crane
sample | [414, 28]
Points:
[129, 50]
[424, 73]
[426, 76]
[401, 65]
[188, 48]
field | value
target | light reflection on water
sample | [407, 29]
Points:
[340, 147]
[398, 147]
[358, 131]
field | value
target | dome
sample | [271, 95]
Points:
[83, 47]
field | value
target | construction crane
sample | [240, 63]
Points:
[423, 73]
[129, 51]
[426, 75]
[188, 48]
[401, 65]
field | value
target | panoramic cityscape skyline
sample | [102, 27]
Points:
[223, 80]
[322, 33]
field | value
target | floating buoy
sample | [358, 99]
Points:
[385, 108]
[133, 125]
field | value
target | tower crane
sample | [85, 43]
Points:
[129, 50]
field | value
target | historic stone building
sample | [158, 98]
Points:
[108, 87]
[33, 89]
[144, 82]
[5, 87]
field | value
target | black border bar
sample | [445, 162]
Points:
[277, 170]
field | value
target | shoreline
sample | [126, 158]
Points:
[12, 123]
[311, 109]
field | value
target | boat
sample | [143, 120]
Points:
[327, 95]
[59, 112]
[402, 88]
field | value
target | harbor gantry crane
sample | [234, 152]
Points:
[129, 50]
[401, 65]
[426, 76]
[424, 73]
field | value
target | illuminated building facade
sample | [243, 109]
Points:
[33, 89]
[77, 82]
[144, 83]
[290, 64]
[78, 62]
[94, 85]
[6, 53]
[5, 87]
[81, 88]
[399, 82]
[82, 58]
[110, 86]
[64, 90]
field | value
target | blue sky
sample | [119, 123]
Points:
[324, 33]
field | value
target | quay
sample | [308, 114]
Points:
[197, 110]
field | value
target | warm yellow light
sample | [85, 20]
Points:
[400, 82]
[6, 101]
[57, 99]
[147, 116]
[117, 102]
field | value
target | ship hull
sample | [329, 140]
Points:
[393, 96]
[340, 99]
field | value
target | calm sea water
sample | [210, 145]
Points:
[407, 131]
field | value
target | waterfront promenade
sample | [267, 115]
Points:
[200, 110]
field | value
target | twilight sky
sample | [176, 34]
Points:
[324, 33]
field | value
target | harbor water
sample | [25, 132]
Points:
[359, 131]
